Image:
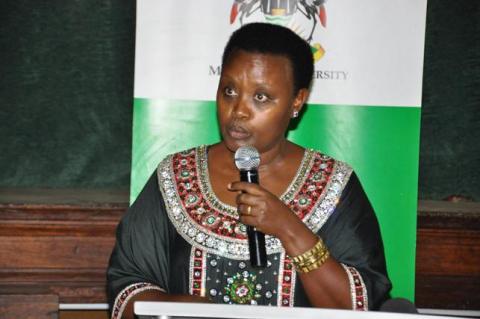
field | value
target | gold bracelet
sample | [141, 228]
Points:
[312, 258]
[312, 266]
[318, 247]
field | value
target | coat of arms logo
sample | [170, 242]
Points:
[285, 13]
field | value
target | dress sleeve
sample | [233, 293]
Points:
[352, 235]
[140, 258]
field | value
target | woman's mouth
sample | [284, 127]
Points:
[237, 132]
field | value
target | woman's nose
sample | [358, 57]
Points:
[241, 108]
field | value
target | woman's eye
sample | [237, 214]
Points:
[260, 97]
[229, 91]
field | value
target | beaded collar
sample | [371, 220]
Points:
[206, 222]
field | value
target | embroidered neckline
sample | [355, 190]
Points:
[207, 223]
[214, 201]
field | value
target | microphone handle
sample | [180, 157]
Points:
[256, 239]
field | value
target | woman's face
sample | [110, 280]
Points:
[255, 100]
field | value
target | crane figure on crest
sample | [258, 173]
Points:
[276, 11]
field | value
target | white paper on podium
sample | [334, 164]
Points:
[164, 310]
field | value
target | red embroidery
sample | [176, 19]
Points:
[196, 206]
[313, 187]
[286, 277]
[197, 272]
[122, 299]
[360, 297]
[221, 223]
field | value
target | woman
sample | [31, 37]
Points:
[184, 238]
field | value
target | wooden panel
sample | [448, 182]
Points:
[64, 196]
[52, 274]
[447, 292]
[29, 306]
[63, 249]
[58, 242]
[446, 215]
[448, 251]
[67, 291]
[448, 256]
[38, 228]
[65, 213]
[55, 252]
[90, 314]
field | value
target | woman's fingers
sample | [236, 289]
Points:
[259, 208]
[246, 199]
[249, 210]
[253, 189]
[250, 215]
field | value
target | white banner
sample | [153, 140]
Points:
[372, 49]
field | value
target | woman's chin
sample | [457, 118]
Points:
[233, 145]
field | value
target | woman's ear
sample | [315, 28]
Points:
[299, 101]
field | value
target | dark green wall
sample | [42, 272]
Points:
[450, 129]
[66, 86]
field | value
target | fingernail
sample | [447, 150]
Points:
[229, 186]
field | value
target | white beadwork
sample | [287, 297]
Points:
[234, 248]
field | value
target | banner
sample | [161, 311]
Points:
[364, 107]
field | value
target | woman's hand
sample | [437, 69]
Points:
[266, 212]
[260, 208]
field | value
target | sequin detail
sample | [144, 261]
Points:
[286, 282]
[242, 288]
[127, 293]
[207, 223]
[197, 272]
[358, 290]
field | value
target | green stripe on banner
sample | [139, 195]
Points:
[381, 143]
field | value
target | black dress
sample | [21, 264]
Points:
[178, 237]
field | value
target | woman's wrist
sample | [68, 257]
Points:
[311, 259]
[296, 237]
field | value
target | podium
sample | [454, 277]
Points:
[172, 310]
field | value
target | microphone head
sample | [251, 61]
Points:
[247, 158]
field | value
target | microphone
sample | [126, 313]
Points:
[247, 160]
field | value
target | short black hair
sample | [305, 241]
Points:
[266, 38]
